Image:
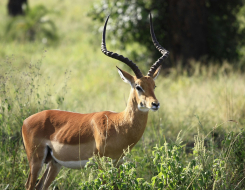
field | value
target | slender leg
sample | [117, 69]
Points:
[50, 174]
[35, 170]
[28, 180]
[36, 161]
[42, 180]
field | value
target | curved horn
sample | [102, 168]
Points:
[132, 65]
[163, 51]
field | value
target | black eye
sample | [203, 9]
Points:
[139, 88]
[155, 87]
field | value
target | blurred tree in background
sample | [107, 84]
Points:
[15, 7]
[203, 30]
[30, 24]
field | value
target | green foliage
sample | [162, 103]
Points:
[21, 95]
[189, 30]
[35, 25]
[128, 23]
[107, 176]
[174, 169]
[224, 34]
[234, 153]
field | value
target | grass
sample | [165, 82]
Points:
[74, 75]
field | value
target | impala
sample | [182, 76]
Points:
[61, 138]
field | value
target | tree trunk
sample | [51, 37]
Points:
[187, 29]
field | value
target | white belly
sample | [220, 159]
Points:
[71, 156]
[71, 164]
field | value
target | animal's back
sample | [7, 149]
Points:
[61, 126]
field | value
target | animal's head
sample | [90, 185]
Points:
[142, 85]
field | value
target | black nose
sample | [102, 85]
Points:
[155, 104]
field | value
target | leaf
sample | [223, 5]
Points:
[153, 180]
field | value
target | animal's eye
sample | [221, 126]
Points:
[139, 88]
[155, 87]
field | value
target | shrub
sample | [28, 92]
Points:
[33, 26]
[174, 168]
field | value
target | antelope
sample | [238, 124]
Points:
[62, 138]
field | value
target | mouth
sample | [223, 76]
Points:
[146, 109]
[154, 108]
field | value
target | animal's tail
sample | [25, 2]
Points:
[22, 137]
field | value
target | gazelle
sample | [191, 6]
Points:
[61, 138]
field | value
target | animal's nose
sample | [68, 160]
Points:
[156, 104]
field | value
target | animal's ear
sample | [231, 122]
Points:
[155, 75]
[126, 77]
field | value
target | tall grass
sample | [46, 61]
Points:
[22, 93]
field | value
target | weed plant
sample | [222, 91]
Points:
[22, 93]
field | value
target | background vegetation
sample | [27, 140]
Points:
[202, 30]
[43, 68]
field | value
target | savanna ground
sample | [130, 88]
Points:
[205, 112]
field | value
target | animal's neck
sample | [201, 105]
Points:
[135, 118]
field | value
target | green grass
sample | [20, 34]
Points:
[36, 76]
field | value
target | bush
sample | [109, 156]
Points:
[35, 25]
[200, 30]
[174, 168]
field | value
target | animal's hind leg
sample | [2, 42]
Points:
[42, 180]
[50, 174]
[28, 180]
[36, 160]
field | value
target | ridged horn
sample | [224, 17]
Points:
[130, 63]
[163, 51]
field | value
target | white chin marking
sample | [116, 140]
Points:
[143, 109]
[71, 164]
